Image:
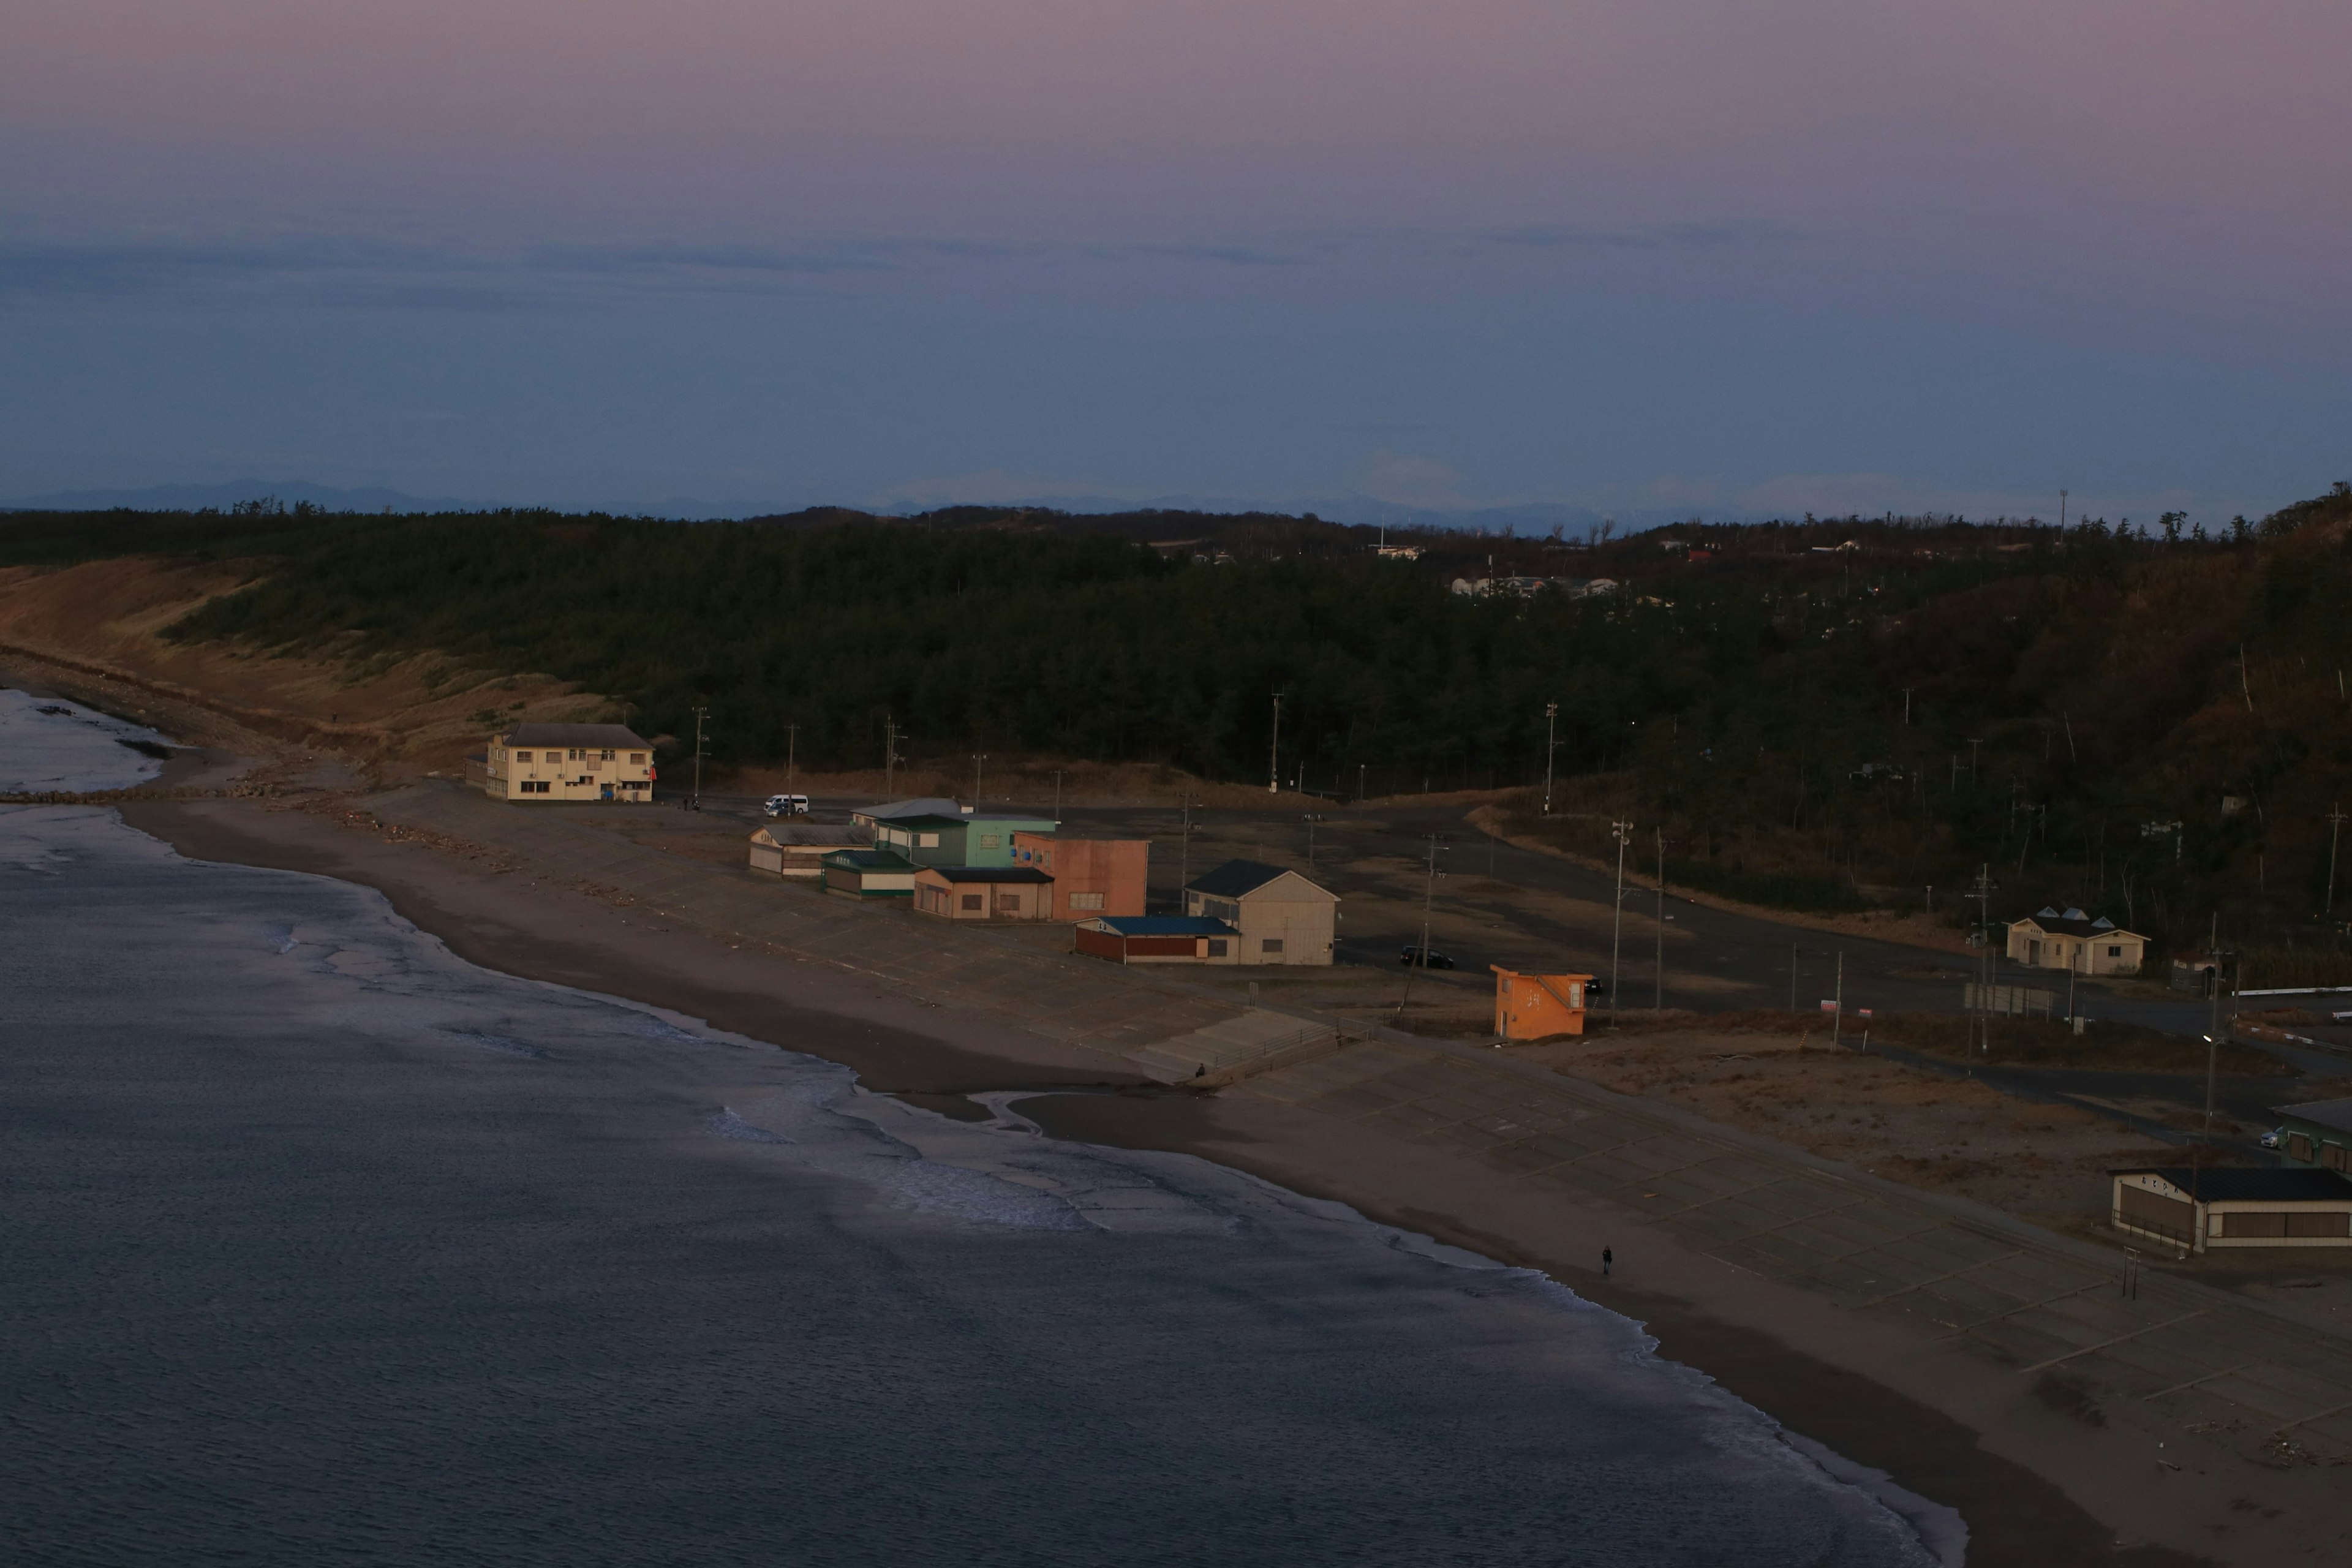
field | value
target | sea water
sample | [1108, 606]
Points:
[324, 1246]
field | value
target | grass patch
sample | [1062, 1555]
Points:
[2043, 1043]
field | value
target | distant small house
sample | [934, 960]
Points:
[961, 838]
[2197, 1210]
[1158, 939]
[2050, 939]
[565, 762]
[984, 893]
[2316, 1133]
[1282, 916]
[869, 874]
[1091, 876]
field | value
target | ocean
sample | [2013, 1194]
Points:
[325, 1247]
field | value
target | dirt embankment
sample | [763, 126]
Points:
[99, 626]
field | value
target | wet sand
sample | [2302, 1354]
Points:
[2036, 1482]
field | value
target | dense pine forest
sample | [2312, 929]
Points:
[1829, 714]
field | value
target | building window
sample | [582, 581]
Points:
[2298, 1146]
[638, 757]
[988, 841]
[2331, 1155]
[928, 841]
[1216, 947]
[523, 756]
[1085, 900]
[1270, 944]
[607, 756]
[1008, 903]
[2114, 952]
[973, 901]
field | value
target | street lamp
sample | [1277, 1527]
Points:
[1552, 743]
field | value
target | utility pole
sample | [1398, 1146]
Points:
[1311, 820]
[792, 753]
[889, 754]
[2062, 511]
[1907, 707]
[2335, 834]
[1551, 744]
[1837, 1017]
[1057, 797]
[699, 739]
[1274, 751]
[1661, 999]
[1360, 782]
[1623, 833]
[1421, 958]
[1973, 744]
[1184, 855]
[978, 758]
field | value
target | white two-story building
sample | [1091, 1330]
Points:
[565, 762]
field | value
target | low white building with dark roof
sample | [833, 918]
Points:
[2225, 1205]
[2069, 939]
[565, 762]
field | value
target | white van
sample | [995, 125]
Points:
[786, 805]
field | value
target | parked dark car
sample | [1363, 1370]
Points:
[1413, 957]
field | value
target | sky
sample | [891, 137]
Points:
[1631, 257]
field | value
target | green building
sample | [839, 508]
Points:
[977, 839]
[2316, 1133]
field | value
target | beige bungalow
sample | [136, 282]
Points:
[984, 893]
[1282, 916]
[2050, 939]
[2234, 1206]
[565, 762]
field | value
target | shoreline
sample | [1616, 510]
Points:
[1923, 1439]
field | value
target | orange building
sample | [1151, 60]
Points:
[1538, 1006]
[1091, 876]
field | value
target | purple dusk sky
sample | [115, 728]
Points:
[1691, 256]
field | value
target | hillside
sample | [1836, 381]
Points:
[1817, 714]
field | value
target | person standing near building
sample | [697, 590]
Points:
[1607, 1258]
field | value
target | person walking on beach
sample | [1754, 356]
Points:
[1606, 1260]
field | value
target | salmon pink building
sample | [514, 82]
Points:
[1091, 876]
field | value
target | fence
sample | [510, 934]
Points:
[2015, 1000]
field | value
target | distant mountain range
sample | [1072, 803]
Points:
[192, 498]
[1525, 520]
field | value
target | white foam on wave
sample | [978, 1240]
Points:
[47, 743]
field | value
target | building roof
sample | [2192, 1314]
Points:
[893, 811]
[988, 873]
[926, 819]
[822, 835]
[1163, 925]
[2246, 1184]
[2074, 923]
[2333, 1114]
[870, 860]
[601, 736]
[1239, 878]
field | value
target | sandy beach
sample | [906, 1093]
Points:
[2037, 1476]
